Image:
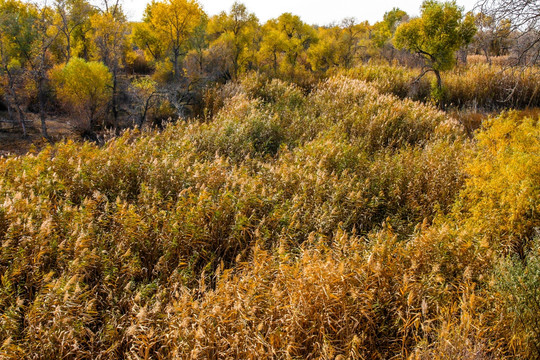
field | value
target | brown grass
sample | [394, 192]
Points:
[343, 223]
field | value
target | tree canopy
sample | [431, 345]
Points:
[436, 35]
[84, 88]
[166, 29]
[236, 31]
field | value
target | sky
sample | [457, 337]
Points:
[319, 12]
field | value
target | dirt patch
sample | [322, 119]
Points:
[12, 141]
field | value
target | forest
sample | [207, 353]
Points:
[212, 187]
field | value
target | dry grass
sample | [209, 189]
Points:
[476, 87]
[343, 223]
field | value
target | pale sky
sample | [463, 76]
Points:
[320, 12]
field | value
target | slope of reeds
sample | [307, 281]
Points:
[343, 223]
[476, 86]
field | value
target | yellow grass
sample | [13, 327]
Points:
[342, 223]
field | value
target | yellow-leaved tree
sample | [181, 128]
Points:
[72, 19]
[436, 36]
[338, 45]
[109, 34]
[84, 89]
[237, 32]
[166, 29]
[285, 42]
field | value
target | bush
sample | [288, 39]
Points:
[518, 281]
[500, 198]
[492, 87]
[396, 80]
[83, 88]
[478, 86]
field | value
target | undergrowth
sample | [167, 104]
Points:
[339, 223]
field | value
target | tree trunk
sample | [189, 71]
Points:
[439, 80]
[42, 114]
[22, 121]
[16, 103]
[91, 119]
[236, 58]
[462, 55]
[114, 98]
[142, 118]
[68, 47]
[486, 54]
[176, 55]
[10, 111]
[440, 96]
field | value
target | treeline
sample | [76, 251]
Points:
[107, 72]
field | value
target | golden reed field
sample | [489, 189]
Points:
[340, 224]
[184, 185]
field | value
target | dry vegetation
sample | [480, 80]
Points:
[317, 198]
[339, 223]
[477, 86]
[12, 141]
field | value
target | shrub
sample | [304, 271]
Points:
[478, 86]
[397, 80]
[83, 88]
[492, 87]
[500, 198]
[337, 223]
[518, 281]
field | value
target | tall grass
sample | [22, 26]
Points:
[478, 86]
[493, 87]
[339, 223]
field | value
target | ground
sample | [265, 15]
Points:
[13, 142]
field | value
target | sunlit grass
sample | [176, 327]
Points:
[339, 223]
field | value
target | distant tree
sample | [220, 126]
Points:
[109, 34]
[436, 35]
[384, 30]
[145, 94]
[337, 45]
[198, 43]
[83, 88]
[353, 34]
[325, 54]
[39, 59]
[26, 36]
[273, 46]
[166, 29]
[492, 37]
[72, 18]
[144, 38]
[17, 39]
[522, 17]
[285, 40]
[236, 31]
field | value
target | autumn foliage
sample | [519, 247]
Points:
[267, 191]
